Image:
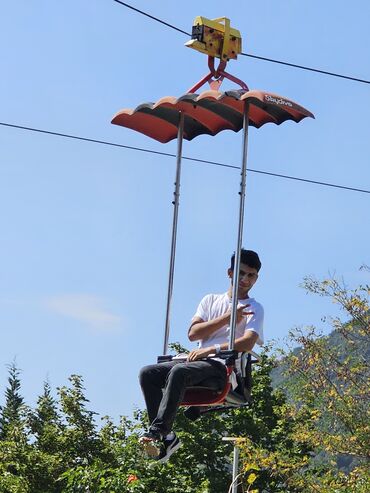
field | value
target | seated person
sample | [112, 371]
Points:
[164, 384]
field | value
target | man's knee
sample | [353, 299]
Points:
[146, 374]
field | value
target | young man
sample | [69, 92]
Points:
[164, 384]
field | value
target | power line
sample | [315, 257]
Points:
[302, 67]
[197, 160]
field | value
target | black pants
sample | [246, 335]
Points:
[174, 377]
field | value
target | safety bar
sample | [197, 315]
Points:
[225, 354]
[183, 357]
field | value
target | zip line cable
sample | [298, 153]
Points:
[310, 69]
[151, 17]
[302, 67]
[197, 160]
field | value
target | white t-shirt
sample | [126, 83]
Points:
[215, 305]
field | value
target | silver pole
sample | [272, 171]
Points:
[240, 228]
[235, 469]
[180, 135]
[237, 441]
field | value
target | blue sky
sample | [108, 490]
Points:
[85, 228]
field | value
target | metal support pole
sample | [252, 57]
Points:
[236, 441]
[240, 227]
[180, 135]
[235, 469]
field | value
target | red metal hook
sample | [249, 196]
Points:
[218, 76]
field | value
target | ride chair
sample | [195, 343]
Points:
[209, 395]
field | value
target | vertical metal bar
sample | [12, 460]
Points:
[240, 227]
[235, 469]
[180, 135]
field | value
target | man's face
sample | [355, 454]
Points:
[247, 278]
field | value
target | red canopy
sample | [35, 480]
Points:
[208, 113]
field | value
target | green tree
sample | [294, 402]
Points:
[79, 441]
[45, 422]
[332, 373]
[23, 467]
[13, 412]
[328, 380]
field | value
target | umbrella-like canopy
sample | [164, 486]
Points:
[208, 113]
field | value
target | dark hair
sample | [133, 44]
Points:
[247, 257]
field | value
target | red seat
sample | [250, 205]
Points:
[207, 395]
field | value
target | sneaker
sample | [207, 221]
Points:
[153, 445]
[170, 447]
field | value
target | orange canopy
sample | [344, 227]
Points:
[208, 113]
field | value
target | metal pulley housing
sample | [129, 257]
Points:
[215, 38]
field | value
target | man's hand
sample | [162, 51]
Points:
[201, 353]
[241, 314]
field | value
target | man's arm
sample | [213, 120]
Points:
[200, 330]
[242, 344]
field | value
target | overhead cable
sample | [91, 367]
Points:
[302, 67]
[310, 69]
[197, 160]
[151, 17]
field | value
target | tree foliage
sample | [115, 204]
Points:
[328, 380]
[61, 447]
[13, 412]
